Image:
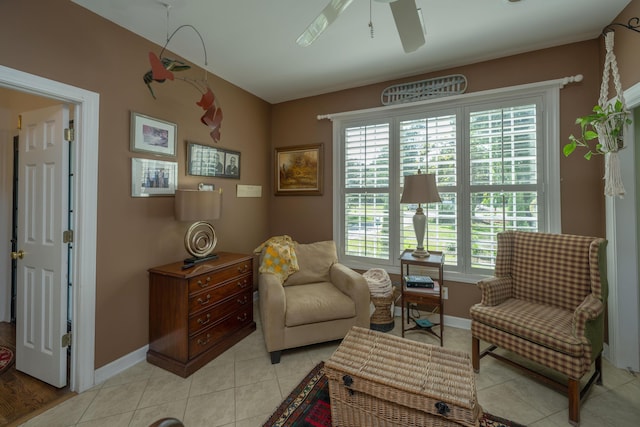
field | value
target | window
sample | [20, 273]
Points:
[496, 160]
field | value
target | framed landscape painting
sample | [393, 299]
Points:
[298, 170]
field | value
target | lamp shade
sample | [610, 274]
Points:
[420, 188]
[195, 205]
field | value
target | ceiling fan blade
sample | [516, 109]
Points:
[329, 14]
[405, 13]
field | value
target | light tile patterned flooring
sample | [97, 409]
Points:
[241, 388]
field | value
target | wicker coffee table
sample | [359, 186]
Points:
[377, 379]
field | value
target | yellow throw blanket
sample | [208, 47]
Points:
[278, 257]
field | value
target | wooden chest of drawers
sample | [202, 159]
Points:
[198, 313]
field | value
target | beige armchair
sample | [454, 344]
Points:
[546, 303]
[319, 302]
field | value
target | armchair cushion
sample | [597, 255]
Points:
[542, 324]
[314, 262]
[316, 302]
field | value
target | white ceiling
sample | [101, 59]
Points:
[251, 43]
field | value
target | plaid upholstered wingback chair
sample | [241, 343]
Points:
[546, 303]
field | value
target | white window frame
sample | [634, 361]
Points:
[549, 149]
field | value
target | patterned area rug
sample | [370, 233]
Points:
[6, 358]
[308, 405]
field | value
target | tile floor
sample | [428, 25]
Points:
[241, 389]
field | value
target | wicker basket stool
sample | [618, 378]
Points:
[383, 295]
[379, 380]
[382, 317]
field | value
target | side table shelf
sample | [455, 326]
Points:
[422, 296]
[198, 313]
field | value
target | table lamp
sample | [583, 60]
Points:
[420, 188]
[199, 206]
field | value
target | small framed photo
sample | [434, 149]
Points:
[298, 170]
[151, 135]
[204, 160]
[153, 177]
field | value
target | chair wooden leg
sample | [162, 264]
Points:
[573, 390]
[475, 354]
[275, 357]
[599, 369]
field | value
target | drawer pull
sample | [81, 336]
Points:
[243, 269]
[243, 284]
[204, 342]
[206, 282]
[242, 318]
[205, 301]
[204, 322]
[243, 300]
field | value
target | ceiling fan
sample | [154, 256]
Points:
[405, 14]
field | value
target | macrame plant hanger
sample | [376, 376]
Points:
[613, 185]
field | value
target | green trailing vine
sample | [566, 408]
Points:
[603, 122]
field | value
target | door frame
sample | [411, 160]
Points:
[85, 194]
[623, 252]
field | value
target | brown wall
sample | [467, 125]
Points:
[64, 42]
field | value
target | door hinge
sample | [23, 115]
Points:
[66, 339]
[69, 134]
[19, 121]
[67, 236]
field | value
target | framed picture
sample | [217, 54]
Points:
[151, 135]
[153, 177]
[298, 170]
[204, 160]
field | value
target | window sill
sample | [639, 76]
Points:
[453, 276]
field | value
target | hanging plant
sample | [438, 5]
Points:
[605, 125]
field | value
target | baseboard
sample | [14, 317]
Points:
[452, 321]
[112, 369]
[125, 362]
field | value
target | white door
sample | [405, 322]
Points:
[41, 308]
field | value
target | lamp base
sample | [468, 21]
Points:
[190, 262]
[420, 253]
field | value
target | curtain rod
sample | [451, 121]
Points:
[558, 82]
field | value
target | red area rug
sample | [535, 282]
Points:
[308, 405]
[6, 358]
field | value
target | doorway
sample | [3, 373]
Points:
[40, 376]
[83, 264]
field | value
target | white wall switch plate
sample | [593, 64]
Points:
[248, 190]
[445, 293]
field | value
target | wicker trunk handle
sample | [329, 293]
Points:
[348, 381]
[442, 408]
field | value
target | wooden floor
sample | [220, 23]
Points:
[20, 394]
